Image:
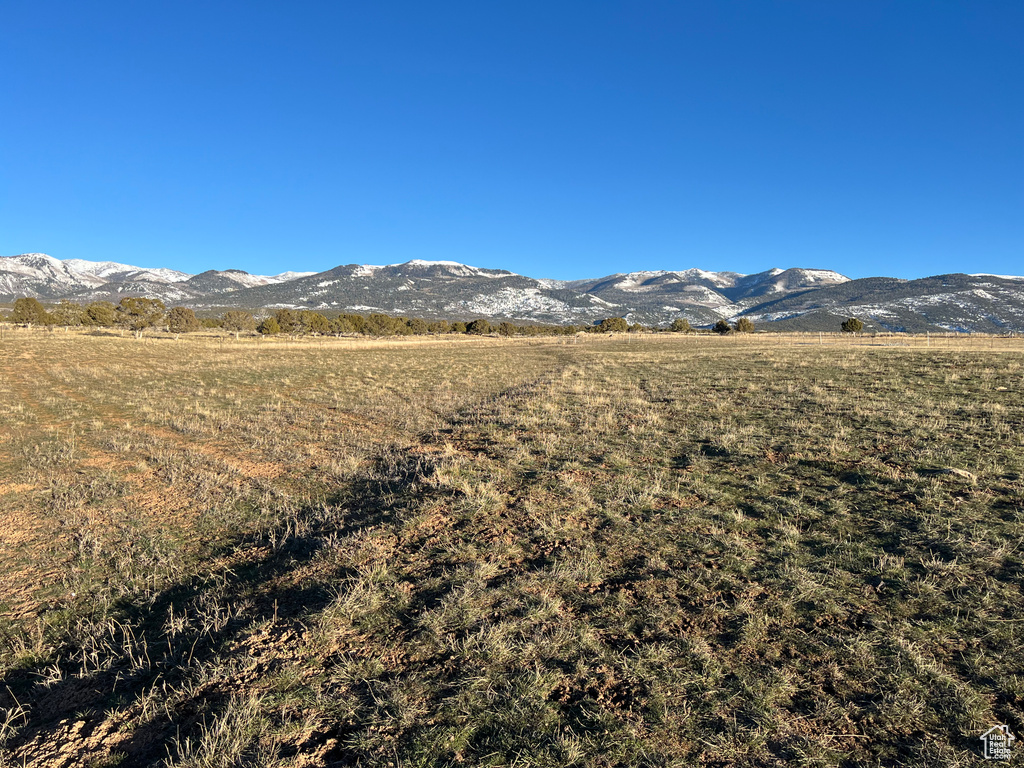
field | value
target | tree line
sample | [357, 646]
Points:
[139, 314]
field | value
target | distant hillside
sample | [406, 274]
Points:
[44, 277]
[962, 303]
[797, 298]
[426, 289]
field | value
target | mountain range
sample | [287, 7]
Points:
[791, 299]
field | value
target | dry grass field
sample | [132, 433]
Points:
[664, 551]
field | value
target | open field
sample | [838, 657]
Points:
[656, 551]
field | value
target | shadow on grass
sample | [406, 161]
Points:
[175, 661]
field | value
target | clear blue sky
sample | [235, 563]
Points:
[556, 139]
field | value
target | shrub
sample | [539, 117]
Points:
[341, 324]
[458, 327]
[439, 326]
[507, 329]
[744, 325]
[237, 321]
[30, 312]
[182, 320]
[852, 325]
[269, 326]
[314, 323]
[68, 313]
[418, 327]
[100, 313]
[137, 314]
[287, 320]
[613, 325]
[722, 327]
[384, 325]
[680, 325]
[350, 324]
[479, 327]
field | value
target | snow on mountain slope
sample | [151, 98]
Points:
[822, 276]
[40, 275]
[244, 279]
[798, 298]
[418, 267]
[546, 282]
[40, 266]
[511, 302]
[426, 263]
[284, 277]
[646, 281]
[112, 271]
[366, 270]
[719, 279]
[964, 303]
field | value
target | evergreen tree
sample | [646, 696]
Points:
[356, 322]
[100, 313]
[341, 324]
[852, 325]
[68, 313]
[237, 321]
[182, 320]
[287, 320]
[418, 327]
[137, 314]
[314, 323]
[744, 325]
[722, 327]
[269, 326]
[613, 325]
[680, 325]
[379, 324]
[439, 326]
[507, 329]
[479, 327]
[28, 311]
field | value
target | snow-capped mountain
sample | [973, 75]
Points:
[44, 277]
[37, 274]
[730, 284]
[958, 302]
[112, 272]
[421, 288]
[284, 277]
[699, 295]
[798, 298]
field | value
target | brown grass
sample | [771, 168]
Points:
[615, 551]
